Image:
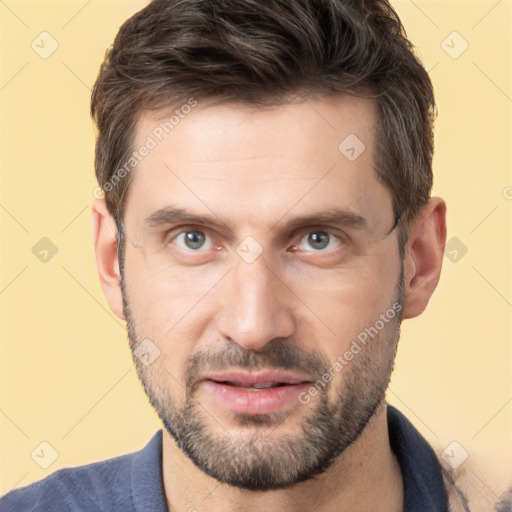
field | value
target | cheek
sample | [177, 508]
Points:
[348, 300]
[169, 309]
[161, 299]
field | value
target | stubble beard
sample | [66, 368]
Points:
[266, 460]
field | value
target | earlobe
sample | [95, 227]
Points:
[423, 256]
[103, 233]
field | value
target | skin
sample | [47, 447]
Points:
[255, 170]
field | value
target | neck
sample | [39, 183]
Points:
[365, 477]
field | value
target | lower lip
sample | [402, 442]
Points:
[251, 401]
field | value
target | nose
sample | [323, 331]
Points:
[257, 309]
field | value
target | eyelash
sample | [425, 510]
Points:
[299, 236]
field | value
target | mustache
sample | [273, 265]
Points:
[275, 355]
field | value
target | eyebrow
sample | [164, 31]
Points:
[173, 214]
[339, 216]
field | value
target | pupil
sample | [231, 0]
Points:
[319, 240]
[194, 239]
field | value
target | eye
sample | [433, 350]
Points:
[193, 240]
[318, 241]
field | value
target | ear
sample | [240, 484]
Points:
[103, 232]
[423, 256]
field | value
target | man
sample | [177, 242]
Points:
[267, 224]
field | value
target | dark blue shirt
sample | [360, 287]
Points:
[133, 483]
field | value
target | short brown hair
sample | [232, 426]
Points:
[265, 53]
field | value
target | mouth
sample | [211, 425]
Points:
[263, 392]
[258, 380]
[256, 386]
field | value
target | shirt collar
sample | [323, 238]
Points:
[147, 485]
[423, 484]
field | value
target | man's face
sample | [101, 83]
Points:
[235, 271]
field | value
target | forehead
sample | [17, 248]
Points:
[255, 163]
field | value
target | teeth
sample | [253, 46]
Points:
[257, 385]
[263, 384]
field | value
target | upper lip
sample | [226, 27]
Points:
[248, 379]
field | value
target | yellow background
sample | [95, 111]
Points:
[66, 372]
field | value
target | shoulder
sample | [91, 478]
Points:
[473, 483]
[472, 488]
[91, 487]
